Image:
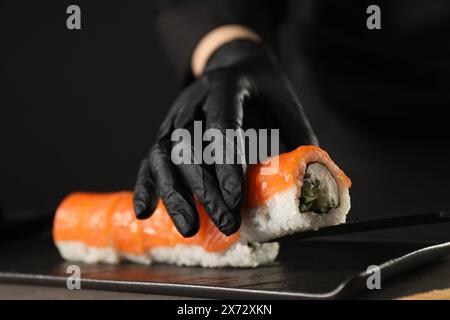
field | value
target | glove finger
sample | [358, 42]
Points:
[177, 198]
[145, 197]
[223, 110]
[203, 183]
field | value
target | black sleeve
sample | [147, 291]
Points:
[181, 24]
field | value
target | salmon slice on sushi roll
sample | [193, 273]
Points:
[305, 191]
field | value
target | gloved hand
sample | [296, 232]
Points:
[239, 72]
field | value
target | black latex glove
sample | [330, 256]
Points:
[236, 73]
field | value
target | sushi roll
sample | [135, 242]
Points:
[305, 191]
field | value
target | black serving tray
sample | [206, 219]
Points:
[308, 269]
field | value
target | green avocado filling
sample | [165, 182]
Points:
[313, 198]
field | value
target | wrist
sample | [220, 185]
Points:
[216, 39]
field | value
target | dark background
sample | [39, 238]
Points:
[80, 108]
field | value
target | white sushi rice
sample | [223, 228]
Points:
[78, 251]
[239, 255]
[279, 216]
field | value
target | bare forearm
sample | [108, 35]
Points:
[183, 25]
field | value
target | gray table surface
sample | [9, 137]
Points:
[30, 292]
[328, 262]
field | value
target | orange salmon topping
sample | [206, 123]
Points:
[263, 182]
[108, 220]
